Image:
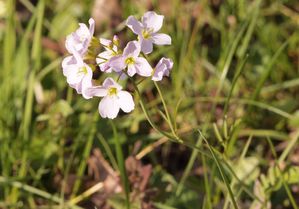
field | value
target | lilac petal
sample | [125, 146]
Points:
[105, 54]
[72, 75]
[68, 62]
[162, 69]
[125, 101]
[143, 68]
[105, 42]
[86, 82]
[104, 67]
[109, 82]
[146, 46]
[91, 26]
[168, 62]
[117, 63]
[134, 25]
[132, 49]
[131, 70]
[122, 76]
[152, 21]
[109, 107]
[161, 39]
[98, 91]
[159, 72]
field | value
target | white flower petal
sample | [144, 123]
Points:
[72, 75]
[125, 101]
[161, 39]
[132, 49]
[68, 62]
[134, 25]
[146, 45]
[87, 82]
[143, 68]
[105, 42]
[98, 91]
[109, 82]
[109, 107]
[131, 70]
[91, 27]
[152, 21]
[117, 63]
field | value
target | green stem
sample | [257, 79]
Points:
[149, 119]
[166, 110]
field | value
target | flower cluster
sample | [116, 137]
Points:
[127, 62]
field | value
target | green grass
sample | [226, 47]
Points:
[221, 132]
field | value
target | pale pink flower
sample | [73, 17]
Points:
[78, 74]
[80, 39]
[130, 58]
[162, 69]
[111, 50]
[114, 98]
[147, 30]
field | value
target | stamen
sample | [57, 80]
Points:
[130, 61]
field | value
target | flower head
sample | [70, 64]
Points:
[114, 98]
[147, 30]
[78, 74]
[80, 39]
[162, 69]
[111, 50]
[130, 58]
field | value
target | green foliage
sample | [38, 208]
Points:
[234, 79]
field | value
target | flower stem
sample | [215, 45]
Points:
[166, 110]
[168, 135]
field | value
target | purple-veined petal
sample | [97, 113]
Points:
[143, 68]
[159, 72]
[162, 69]
[105, 42]
[152, 20]
[117, 63]
[72, 75]
[109, 107]
[132, 49]
[161, 39]
[125, 101]
[104, 66]
[146, 45]
[134, 25]
[109, 82]
[168, 62]
[86, 82]
[98, 91]
[68, 62]
[131, 70]
[105, 55]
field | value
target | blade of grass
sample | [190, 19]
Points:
[121, 164]
[235, 79]
[108, 151]
[33, 190]
[188, 167]
[220, 169]
[290, 196]
[267, 71]
[85, 155]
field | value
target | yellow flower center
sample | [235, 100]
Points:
[130, 61]
[83, 70]
[146, 34]
[112, 91]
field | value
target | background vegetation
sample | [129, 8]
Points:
[232, 97]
